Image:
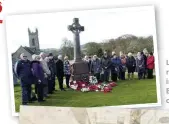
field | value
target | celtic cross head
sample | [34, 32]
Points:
[75, 27]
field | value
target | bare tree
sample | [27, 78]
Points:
[92, 48]
[67, 48]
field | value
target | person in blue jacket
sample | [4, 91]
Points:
[24, 73]
[116, 67]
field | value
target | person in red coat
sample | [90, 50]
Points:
[150, 65]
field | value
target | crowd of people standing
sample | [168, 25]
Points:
[43, 69]
[117, 66]
[41, 72]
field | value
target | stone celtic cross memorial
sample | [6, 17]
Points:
[80, 70]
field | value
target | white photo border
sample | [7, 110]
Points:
[149, 8]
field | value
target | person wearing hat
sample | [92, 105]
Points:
[52, 68]
[24, 73]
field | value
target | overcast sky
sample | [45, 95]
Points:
[99, 25]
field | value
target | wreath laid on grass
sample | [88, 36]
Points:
[93, 85]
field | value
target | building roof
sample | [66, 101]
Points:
[29, 50]
[32, 50]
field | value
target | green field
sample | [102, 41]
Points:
[127, 92]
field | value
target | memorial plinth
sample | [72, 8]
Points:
[80, 70]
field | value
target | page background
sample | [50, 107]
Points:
[9, 6]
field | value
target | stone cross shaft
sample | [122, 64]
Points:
[76, 28]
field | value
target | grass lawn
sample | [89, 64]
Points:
[127, 92]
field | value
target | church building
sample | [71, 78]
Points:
[34, 47]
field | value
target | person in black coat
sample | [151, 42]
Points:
[105, 66]
[60, 72]
[52, 68]
[131, 65]
[90, 62]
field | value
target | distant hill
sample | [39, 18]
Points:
[122, 37]
[125, 43]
